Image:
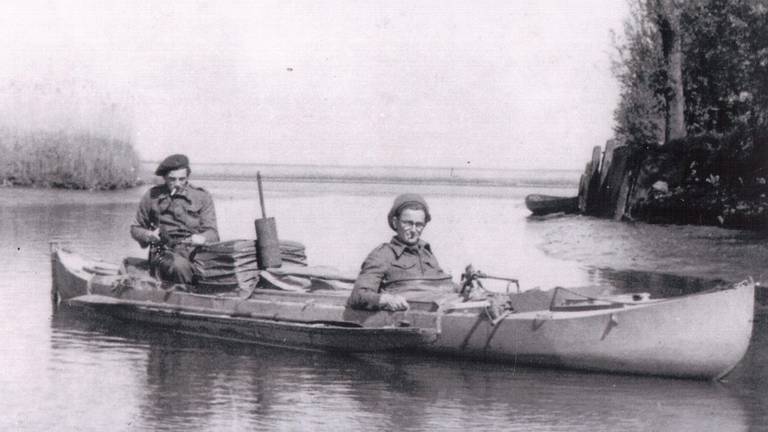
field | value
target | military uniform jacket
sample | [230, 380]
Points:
[390, 267]
[189, 211]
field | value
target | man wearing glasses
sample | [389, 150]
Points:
[402, 268]
[174, 218]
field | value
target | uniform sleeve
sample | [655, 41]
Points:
[365, 294]
[208, 226]
[143, 225]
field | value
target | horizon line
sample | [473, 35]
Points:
[445, 167]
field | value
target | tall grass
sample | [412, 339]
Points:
[70, 160]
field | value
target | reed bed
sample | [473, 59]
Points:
[68, 160]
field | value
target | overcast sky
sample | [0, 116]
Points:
[485, 84]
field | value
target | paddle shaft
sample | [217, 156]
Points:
[261, 195]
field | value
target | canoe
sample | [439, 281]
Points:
[699, 336]
[547, 204]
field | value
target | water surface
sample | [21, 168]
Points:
[60, 370]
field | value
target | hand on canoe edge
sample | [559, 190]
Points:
[392, 302]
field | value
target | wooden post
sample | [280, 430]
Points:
[593, 186]
[616, 182]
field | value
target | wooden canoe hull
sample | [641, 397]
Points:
[546, 204]
[322, 335]
[701, 336]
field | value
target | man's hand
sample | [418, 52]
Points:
[392, 302]
[195, 239]
[153, 237]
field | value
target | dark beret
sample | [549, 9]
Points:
[403, 200]
[172, 162]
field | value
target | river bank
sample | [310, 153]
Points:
[699, 180]
[705, 180]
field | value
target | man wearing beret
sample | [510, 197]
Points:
[403, 268]
[174, 218]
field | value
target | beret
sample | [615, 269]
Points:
[404, 200]
[172, 162]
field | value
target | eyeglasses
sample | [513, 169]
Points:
[411, 224]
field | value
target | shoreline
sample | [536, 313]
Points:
[692, 181]
[379, 174]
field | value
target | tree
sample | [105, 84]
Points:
[668, 25]
[691, 68]
[639, 69]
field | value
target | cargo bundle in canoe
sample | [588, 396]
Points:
[234, 264]
[702, 335]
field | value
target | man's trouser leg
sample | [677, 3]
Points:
[173, 267]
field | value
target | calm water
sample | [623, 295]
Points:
[62, 371]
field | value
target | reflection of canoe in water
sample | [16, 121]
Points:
[702, 335]
[546, 204]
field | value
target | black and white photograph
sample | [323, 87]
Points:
[520, 215]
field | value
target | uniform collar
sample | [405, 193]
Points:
[399, 247]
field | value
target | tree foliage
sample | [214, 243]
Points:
[725, 64]
[639, 67]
